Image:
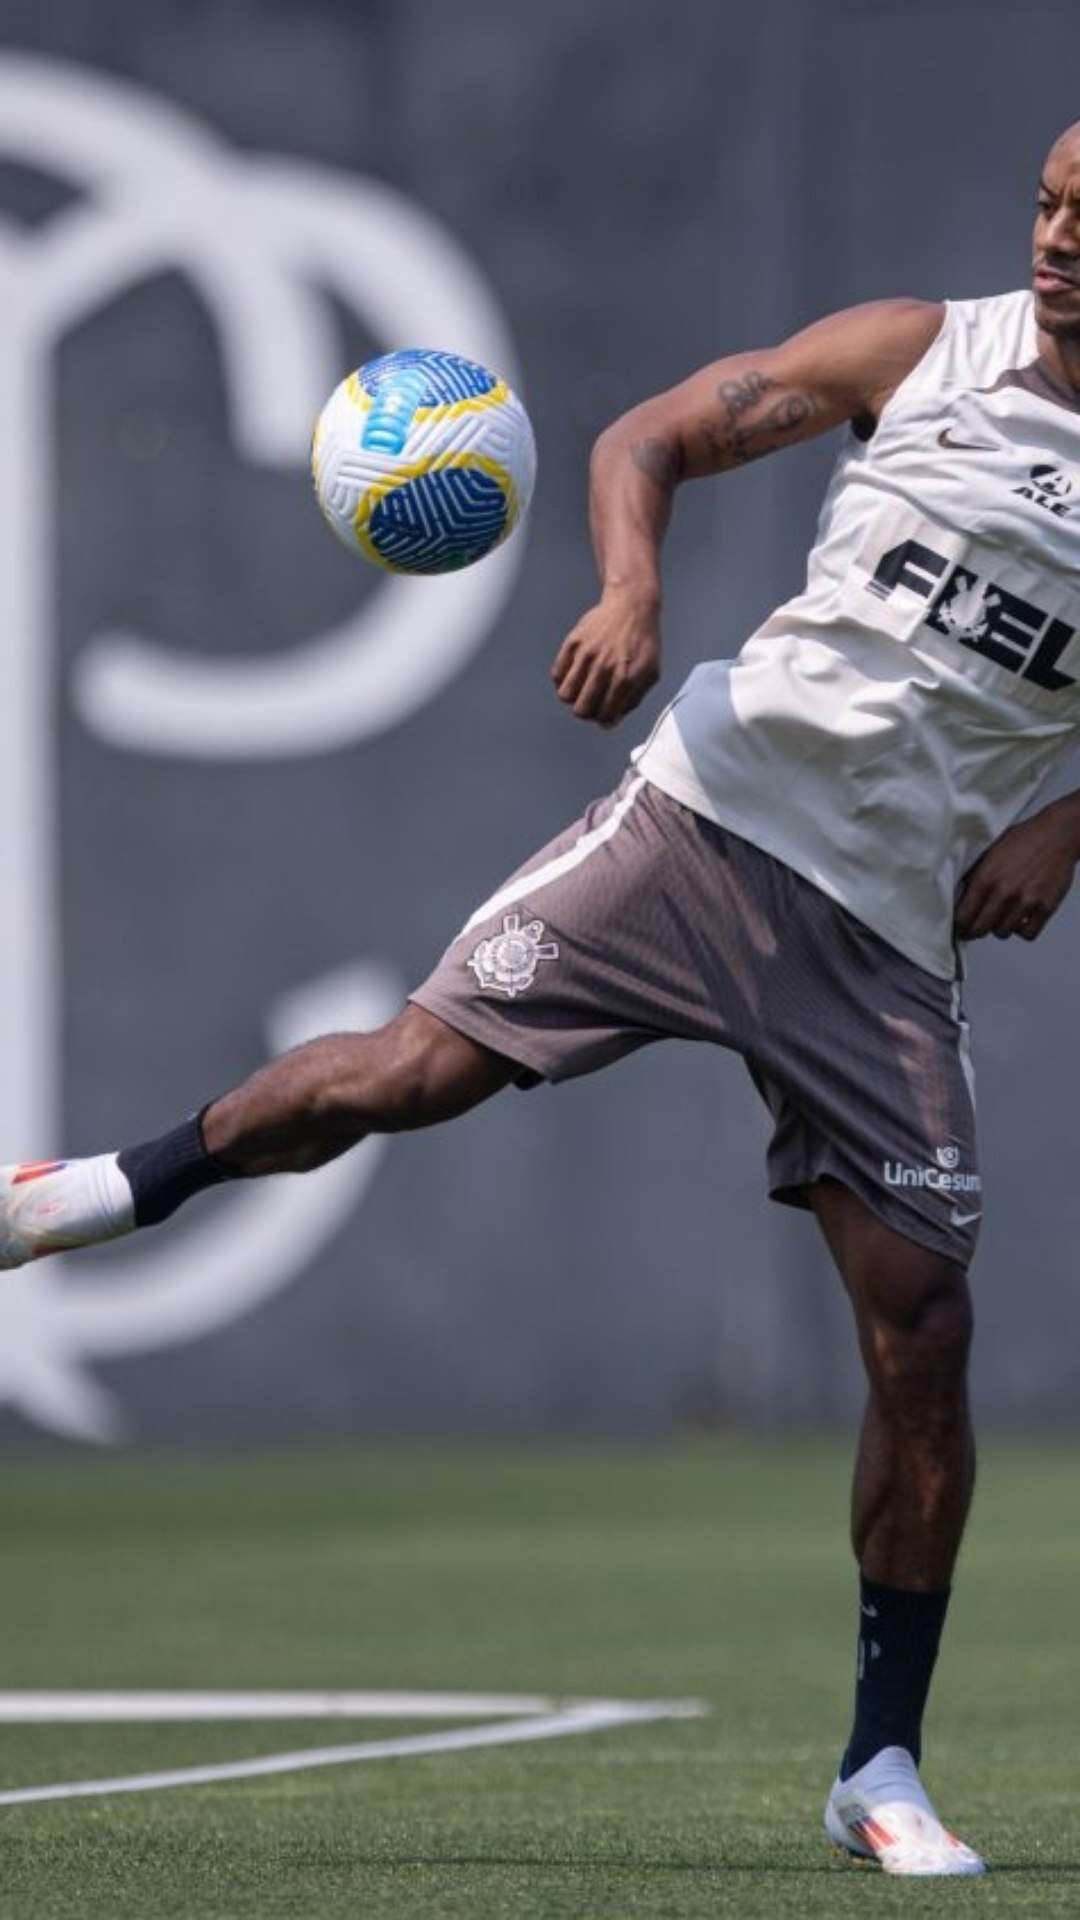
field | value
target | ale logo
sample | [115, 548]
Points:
[262, 242]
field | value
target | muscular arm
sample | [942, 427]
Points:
[842, 368]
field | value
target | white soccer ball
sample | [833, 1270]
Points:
[423, 461]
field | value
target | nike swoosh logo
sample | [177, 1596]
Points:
[945, 439]
[965, 1219]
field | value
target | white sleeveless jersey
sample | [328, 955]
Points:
[882, 728]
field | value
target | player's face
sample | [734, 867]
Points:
[1056, 249]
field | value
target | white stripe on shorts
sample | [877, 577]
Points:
[967, 1064]
[530, 883]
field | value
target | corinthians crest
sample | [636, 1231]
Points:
[507, 962]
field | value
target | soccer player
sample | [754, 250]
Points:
[784, 870]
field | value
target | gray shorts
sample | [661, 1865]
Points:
[646, 922]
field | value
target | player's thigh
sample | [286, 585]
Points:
[863, 1058]
[581, 956]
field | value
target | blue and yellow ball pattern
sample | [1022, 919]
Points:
[423, 461]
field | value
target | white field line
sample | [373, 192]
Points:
[24, 1707]
[554, 1726]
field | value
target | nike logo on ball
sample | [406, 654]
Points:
[965, 1219]
[945, 439]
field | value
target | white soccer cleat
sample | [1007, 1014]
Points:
[52, 1206]
[883, 1813]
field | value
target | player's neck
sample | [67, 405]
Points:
[1062, 357]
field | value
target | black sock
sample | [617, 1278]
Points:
[163, 1173]
[898, 1643]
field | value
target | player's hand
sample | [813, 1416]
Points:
[1020, 882]
[607, 664]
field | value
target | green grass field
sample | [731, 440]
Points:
[717, 1570]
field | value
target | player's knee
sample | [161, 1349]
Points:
[916, 1336]
[369, 1082]
[405, 1092]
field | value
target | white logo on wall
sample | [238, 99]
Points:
[259, 239]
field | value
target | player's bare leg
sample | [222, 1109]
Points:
[316, 1102]
[915, 1468]
[294, 1114]
[914, 1475]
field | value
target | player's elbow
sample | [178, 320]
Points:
[650, 442]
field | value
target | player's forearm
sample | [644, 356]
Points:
[635, 468]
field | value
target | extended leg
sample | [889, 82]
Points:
[297, 1113]
[321, 1099]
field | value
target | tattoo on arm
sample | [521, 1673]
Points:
[753, 414]
[737, 439]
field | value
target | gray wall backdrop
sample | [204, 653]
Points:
[642, 186]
